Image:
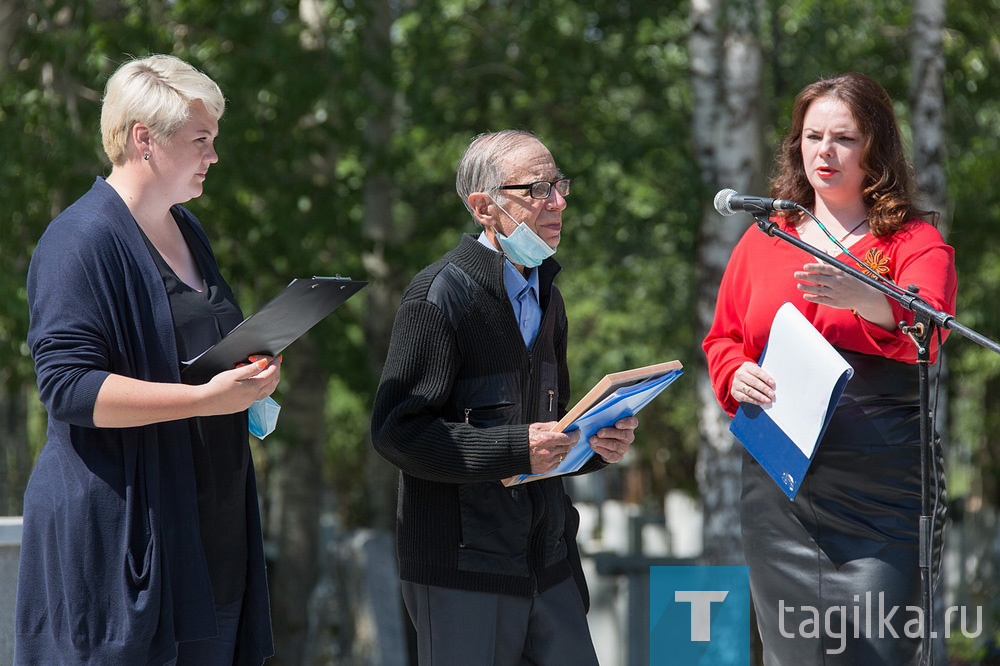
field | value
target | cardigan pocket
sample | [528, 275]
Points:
[486, 400]
[491, 415]
[139, 567]
[495, 527]
[138, 529]
[557, 504]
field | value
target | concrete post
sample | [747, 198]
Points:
[10, 551]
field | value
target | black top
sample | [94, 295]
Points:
[458, 391]
[880, 405]
[220, 449]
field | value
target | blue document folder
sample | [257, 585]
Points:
[772, 448]
[801, 392]
[615, 404]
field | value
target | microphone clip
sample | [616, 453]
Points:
[766, 224]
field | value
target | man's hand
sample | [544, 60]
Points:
[612, 443]
[547, 449]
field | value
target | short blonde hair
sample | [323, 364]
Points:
[156, 91]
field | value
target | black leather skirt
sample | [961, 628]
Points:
[827, 569]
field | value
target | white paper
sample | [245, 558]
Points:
[805, 368]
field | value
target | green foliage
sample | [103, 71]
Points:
[606, 87]
[972, 49]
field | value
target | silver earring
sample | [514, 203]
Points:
[146, 157]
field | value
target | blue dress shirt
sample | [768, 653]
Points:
[523, 295]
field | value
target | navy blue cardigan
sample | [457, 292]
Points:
[112, 569]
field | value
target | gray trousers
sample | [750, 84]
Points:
[458, 627]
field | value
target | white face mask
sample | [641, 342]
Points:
[523, 247]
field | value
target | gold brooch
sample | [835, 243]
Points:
[877, 262]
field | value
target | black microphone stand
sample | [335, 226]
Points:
[926, 318]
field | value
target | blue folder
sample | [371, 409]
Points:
[625, 401]
[772, 448]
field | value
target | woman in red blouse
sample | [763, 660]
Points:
[851, 533]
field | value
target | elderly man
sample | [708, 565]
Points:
[474, 381]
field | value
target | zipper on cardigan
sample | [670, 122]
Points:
[551, 395]
[467, 410]
[529, 393]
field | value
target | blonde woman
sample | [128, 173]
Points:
[142, 542]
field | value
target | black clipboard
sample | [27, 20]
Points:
[279, 323]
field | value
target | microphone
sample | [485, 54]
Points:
[727, 202]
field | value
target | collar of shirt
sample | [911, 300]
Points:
[513, 280]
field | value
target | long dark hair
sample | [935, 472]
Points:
[887, 190]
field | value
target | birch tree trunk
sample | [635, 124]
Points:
[15, 452]
[299, 487]
[927, 106]
[929, 148]
[11, 13]
[381, 229]
[379, 633]
[726, 65]
[296, 480]
[928, 118]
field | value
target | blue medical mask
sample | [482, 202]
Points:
[263, 417]
[523, 246]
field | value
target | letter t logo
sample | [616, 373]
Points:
[701, 610]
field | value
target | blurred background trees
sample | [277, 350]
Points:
[345, 121]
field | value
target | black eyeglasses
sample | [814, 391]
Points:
[542, 189]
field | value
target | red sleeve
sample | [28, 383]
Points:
[918, 256]
[751, 291]
[724, 345]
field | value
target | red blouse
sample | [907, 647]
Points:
[758, 280]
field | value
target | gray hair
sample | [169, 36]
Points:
[156, 91]
[483, 167]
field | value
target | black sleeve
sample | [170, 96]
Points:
[407, 427]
